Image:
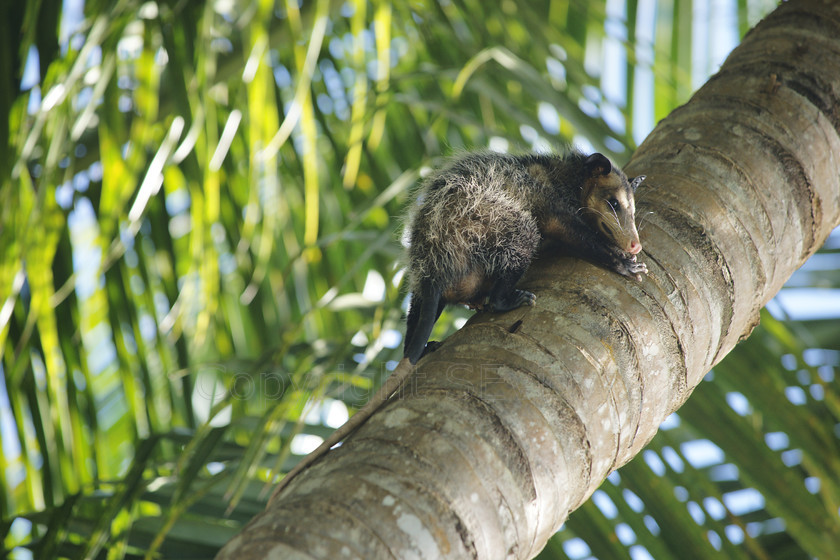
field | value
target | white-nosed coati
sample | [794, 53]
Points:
[480, 220]
[477, 225]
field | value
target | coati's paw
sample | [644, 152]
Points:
[630, 267]
[635, 269]
[516, 298]
[639, 269]
[526, 298]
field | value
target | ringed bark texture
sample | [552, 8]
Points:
[519, 417]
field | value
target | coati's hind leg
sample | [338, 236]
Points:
[504, 296]
[426, 306]
[521, 240]
[432, 345]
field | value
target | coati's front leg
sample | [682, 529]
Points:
[615, 259]
[578, 240]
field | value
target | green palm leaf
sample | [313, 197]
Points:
[198, 242]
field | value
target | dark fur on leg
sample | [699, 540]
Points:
[424, 310]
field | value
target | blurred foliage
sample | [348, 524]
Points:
[199, 260]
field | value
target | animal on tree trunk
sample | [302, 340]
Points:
[480, 220]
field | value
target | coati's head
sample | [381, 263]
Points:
[608, 203]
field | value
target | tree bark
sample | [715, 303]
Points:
[518, 417]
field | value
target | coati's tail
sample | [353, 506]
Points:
[425, 308]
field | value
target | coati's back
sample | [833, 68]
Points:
[466, 212]
[480, 219]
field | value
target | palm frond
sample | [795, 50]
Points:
[199, 241]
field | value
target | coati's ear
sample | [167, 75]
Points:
[636, 181]
[597, 164]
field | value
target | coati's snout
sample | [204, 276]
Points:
[614, 215]
[616, 223]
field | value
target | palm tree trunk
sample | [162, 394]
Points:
[519, 417]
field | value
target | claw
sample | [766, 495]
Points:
[636, 269]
